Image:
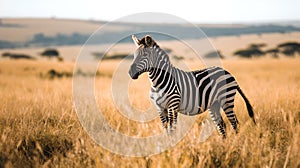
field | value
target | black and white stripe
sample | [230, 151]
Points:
[175, 91]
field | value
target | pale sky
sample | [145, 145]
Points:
[209, 11]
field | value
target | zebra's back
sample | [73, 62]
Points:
[199, 89]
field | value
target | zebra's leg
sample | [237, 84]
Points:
[215, 114]
[163, 115]
[175, 117]
[228, 109]
[172, 116]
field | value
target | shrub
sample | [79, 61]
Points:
[176, 57]
[289, 48]
[100, 55]
[51, 74]
[214, 54]
[50, 53]
[251, 51]
[17, 56]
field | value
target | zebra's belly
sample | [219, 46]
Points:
[190, 110]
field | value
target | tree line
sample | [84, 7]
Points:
[289, 49]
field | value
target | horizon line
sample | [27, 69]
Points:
[270, 21]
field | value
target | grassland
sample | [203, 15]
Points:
[39, 126]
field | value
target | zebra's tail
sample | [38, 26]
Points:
[249, 107]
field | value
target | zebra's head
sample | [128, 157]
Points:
[144, 56]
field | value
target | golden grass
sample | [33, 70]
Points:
[39, 125]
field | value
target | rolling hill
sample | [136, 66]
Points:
[16, 33]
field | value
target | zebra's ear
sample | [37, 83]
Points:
[135, 40]
[148, 41]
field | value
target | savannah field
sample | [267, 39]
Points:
[40, 128]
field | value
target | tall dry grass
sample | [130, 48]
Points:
[39, 126]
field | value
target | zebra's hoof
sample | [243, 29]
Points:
[171, 131]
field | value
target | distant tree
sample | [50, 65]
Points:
[50, 53]
[17, 56]
[118, 56]
[249, 52]
[103, 56]
[290, 44]
[289, 48]
[176, 57]
[6, 54]
[51, 74]
[214, 54]
[253, 50]
[274, 52]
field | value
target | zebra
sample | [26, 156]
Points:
[190, 93]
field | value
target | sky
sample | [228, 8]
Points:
[209, 11]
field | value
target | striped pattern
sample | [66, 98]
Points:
[175, 91]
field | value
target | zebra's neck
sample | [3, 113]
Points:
[162, 69]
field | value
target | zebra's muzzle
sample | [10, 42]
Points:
[133, 72]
